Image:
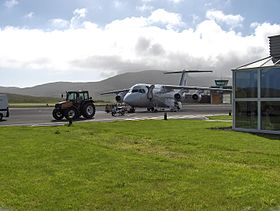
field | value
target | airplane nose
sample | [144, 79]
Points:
[128, 99]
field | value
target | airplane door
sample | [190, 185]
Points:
[150, 92]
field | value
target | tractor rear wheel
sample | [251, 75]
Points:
[71, 113]
[57, 114]
[88, 110]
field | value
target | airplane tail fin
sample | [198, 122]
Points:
[183, 80]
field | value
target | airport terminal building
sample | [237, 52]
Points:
[256, 93]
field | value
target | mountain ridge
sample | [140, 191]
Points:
[121, 81]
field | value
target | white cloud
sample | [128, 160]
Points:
[231, 20]
[131, 44]
[169, 19]
[144, 8]
[195, 19]
[217, 3]
[175, 1]
[118, 3]
[59, 23]
[79, 14]
[29, 15]
[254, 25]
[11, 3]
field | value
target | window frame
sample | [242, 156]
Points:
[257, 99]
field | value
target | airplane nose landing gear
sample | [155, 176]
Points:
[131, 110]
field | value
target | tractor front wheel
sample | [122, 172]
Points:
[57, 114]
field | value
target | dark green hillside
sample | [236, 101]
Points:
[14, 98]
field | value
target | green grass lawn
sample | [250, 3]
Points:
[30, 105]
[220, 117]
[21, 99]
[138, 165]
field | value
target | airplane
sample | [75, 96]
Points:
[154, 96]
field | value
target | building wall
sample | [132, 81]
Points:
[227, 98]
[256, 99]
[220, 97]
[216, 98]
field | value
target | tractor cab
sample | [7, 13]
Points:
[77, 96]
[77, 103]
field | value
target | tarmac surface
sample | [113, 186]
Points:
[43, 116]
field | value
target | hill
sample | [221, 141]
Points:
[121, 81]
[15, 98]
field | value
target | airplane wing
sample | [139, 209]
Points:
[196, 88]
[114, 91]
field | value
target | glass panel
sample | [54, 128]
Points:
[246, 84]
[246, 115]
[270, 82]
[270, 115]
[81, 97]
[71, 96]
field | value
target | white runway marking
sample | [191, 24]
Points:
[169, 117]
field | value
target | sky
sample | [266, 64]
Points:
[45, 41]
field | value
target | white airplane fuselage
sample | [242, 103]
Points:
[152, 96]
[158, 97]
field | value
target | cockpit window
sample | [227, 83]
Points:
[142, 91]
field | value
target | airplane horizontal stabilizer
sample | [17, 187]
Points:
[189, 71]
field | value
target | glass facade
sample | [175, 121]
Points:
[246, 115]
[248, 96]
[246, 84]
[270, 112]
[270, 82]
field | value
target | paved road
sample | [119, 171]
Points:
[43, 116]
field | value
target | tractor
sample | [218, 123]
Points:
[77, 103]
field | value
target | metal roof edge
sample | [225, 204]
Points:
[278, 35]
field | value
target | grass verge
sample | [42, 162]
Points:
[139, 165]
[220, 117]
[30, 105]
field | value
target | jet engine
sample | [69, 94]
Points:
[177, 97]
[119, 97]
[196, 97]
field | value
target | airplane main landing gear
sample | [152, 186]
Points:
[131, 110]
[152, 109]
